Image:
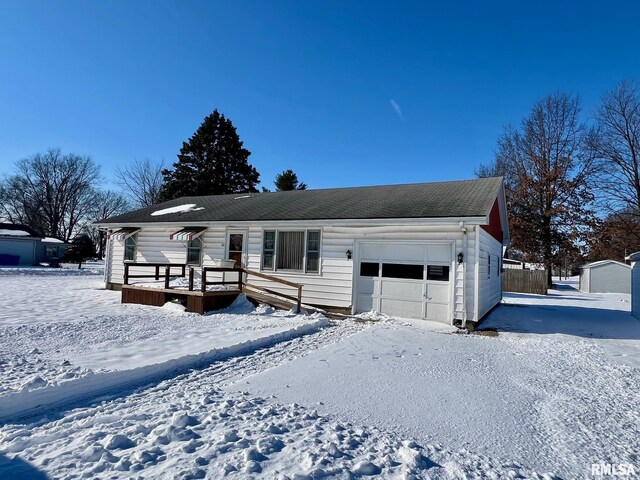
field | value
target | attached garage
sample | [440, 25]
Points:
[407, 280]
[605, 276]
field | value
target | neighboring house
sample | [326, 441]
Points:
[428, 251]
[52, 249]
[512, 264]
[19, 245]
[635, 284]
[605, 276]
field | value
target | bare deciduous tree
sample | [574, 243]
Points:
[547, 164]
[106, 204]
[141, 181]
[52, 192]
[618, 148]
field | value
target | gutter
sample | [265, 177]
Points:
[465, 245]
[354, 222]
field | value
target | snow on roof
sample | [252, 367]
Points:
[634, 257]
[52, 240]
[14, 233]
[188, 207]
[603, 262]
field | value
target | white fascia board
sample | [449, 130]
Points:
[374, 222]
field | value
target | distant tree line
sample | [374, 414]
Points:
[59, 194]
[572, 186]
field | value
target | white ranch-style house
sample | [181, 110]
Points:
[422, 251]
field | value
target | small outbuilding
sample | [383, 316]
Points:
[19, 245]
[635, 284]
[605, 276]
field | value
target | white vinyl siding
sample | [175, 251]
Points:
[332, 285]
[489, 283]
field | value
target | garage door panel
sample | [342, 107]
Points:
[365, 285]
[406, 280]
[370, 251]
[438, 292]
[400, 289]
[409, 253]
[439, 253]
[437, 312]
[401, 308]
[365, 303]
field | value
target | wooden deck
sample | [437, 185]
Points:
[194, 301]
[201, 300]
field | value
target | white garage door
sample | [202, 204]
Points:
[405, 280]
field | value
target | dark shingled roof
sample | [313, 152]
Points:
[464, 198]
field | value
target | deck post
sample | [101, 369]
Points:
[299, 298]
[204, 280]
[191, 273]
[126, 274]
[240, 278]
[167, 275]
[184, 266]
[157, 272]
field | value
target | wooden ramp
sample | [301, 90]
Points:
[257, 297]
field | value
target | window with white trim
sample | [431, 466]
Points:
[130, 247]
[268, 250]
[194, 251]
[291, 250]
[313, 251]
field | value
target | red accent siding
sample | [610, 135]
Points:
[495, 226]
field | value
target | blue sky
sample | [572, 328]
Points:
[344, 93]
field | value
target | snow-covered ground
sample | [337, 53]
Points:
[59, 352]
[394, 399]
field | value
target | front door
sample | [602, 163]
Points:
[237, 247]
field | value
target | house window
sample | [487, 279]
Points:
[297, 251]
[290, 250]
[268, 250]
[313, 251]
[194, 251]
[130, 247]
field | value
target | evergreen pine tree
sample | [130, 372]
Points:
[212, 162]
[80, 250]
[288, 180]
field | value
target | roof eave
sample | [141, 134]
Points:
[472, 220]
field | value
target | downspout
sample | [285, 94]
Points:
[465, 248]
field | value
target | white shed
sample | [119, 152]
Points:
[635, 284]
[605, 276]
